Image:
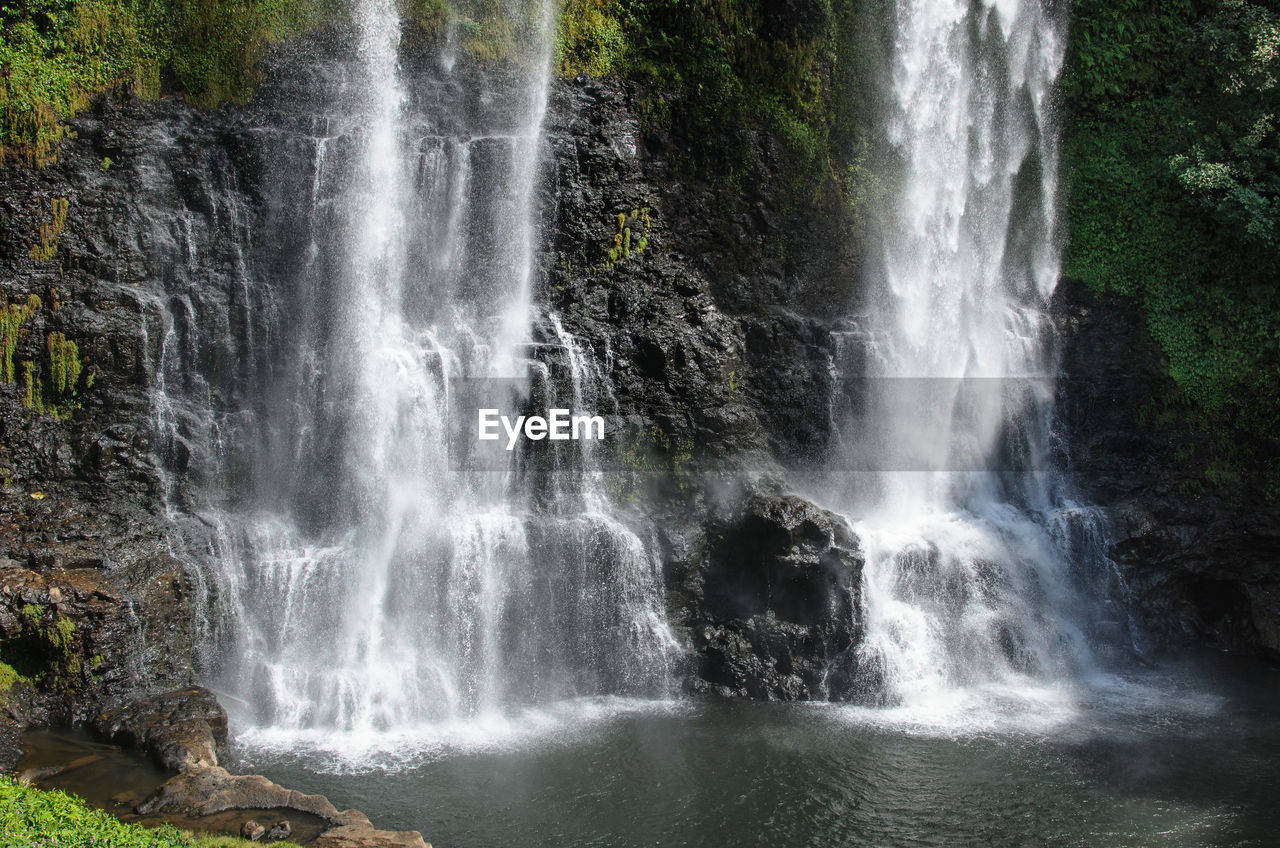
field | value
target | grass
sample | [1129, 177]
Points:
[36, 818]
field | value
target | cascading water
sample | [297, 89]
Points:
[969, 538]
[359, 581]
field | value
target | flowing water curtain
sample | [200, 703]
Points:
[357, 579]
[964, 585]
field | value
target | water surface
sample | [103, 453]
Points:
[1165, 758]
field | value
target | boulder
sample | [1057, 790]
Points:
[181, 730]
[203, 791]
[770, 591]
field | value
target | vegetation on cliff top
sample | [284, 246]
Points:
[34, 818]
[1172, 154]
[56, 54]
[1174, 158]
[714, 68]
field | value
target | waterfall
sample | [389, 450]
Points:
[358, 580]
[970, 536]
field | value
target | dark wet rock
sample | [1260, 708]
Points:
[716, 332]
[93, 609]
[1200, 563]
[76, 632]
[278, 831]
[769, 591]
[181, 730]
[10, 742]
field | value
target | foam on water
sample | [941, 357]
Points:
[572, 722]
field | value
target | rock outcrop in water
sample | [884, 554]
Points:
[187, 731]
[768, 591]
[181, 730]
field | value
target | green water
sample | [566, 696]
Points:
[1174, 758]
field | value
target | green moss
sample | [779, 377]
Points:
[46, 247]
[622, 245]
[12, 318]
[46, 651]
[56, 385]
[59, 53]
[8, 677]
[62, 635]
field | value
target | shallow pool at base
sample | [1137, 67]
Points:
[1157, 758]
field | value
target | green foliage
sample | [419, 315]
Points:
[715, 70]
[12, 319]
[1231, 163]
[1175, 167]
[56, 54]
[46, 246]
[590, 39]
[35, 818]
[212, 47]
[424, 17]
[655, 465]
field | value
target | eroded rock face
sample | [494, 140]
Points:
[713, 318]
[769, 592]
[1199, 568]
[94, 611]
[181, 730]
[78, 634]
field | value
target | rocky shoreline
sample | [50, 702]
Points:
[185, 731]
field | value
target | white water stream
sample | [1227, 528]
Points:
[973, 546]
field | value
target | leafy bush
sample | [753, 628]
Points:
[714, 68]
[1175, 169]
[56, 54]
